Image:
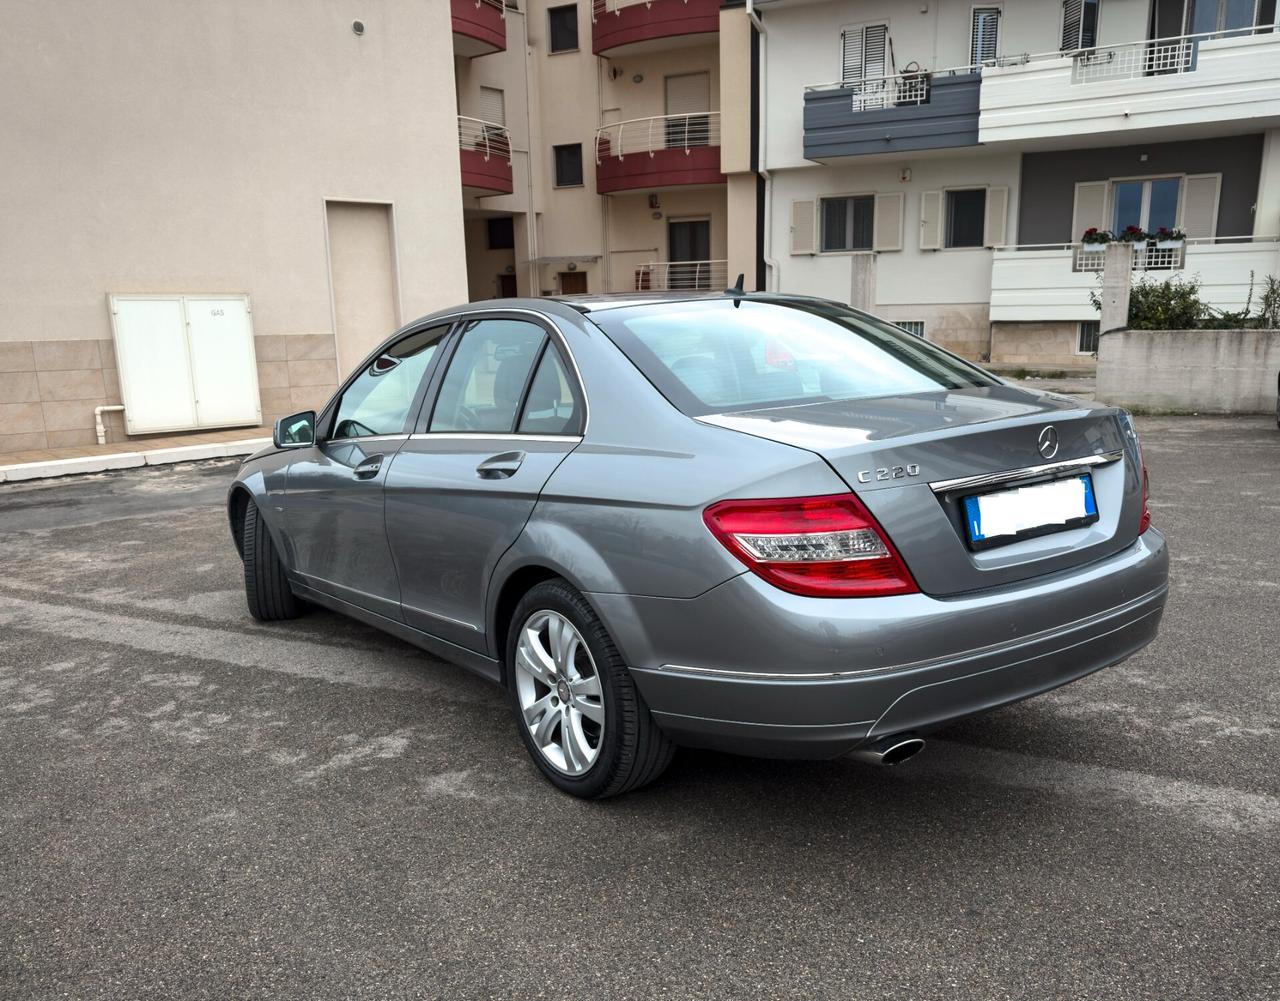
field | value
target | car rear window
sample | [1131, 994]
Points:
[721, 355]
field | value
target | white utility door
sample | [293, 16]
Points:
[185, 362]
[224, 371]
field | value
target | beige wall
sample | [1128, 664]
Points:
[191, 147]
[1038, 345]
[636, 237]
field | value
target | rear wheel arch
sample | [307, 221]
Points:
[517, 584]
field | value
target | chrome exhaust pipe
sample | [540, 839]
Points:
[889, 750]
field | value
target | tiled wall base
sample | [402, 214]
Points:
[49, 389]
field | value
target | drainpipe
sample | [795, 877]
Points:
[98, 426]
[770, 263]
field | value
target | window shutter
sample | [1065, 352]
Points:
[888, 222]
[1072, 15]
[851, 54]
[1090, 208]
[802, 227]
[492, 106]
[1200, 205]
[930, 220]
[997, 216]
[874, 47]
[984, 34]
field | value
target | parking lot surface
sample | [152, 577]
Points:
[193, 805]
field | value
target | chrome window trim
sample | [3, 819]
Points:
[367, 437]
[498, 436]
[1010, 475]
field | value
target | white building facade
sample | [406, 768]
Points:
[938, 162]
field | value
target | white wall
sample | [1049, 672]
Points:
[910, 276]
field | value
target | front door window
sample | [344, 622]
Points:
[378, 400]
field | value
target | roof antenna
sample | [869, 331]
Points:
[737, 290]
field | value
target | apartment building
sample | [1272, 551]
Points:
[591, 137]
[212, 210]
[938, 161]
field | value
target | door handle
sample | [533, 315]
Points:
[368, 469]
[501, 466]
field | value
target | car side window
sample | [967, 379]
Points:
[378, 400]
[553, 406]
[482, 389]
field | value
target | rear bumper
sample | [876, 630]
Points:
[750, 669]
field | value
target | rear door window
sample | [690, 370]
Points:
[720, 355]
[488, 373]
[553, 406]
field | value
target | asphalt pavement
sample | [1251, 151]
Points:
[193, 805]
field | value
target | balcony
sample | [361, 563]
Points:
[681, 276]
[892, 114]
[1053, 282]
[1115, 92]
[662, 152]
[485, 151]
[479, 27]
[615, 23]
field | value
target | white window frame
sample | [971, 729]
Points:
[973, 9]
[1181, 178]
[819, 199]
[560, 6]
[944, 222]
[1062, 29]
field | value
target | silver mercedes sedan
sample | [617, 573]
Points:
[764, 524]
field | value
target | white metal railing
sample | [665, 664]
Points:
[648, 135]
[673, 276]
[1172, 54]
[1127, 62]
[602, 7]
[891, 91]
[485, 137]
[501, 5]
[1090, 257]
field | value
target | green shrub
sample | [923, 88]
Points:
[1172, 304]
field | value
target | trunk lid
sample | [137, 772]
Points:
[899, 452]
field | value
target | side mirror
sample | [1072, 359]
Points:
[295, 431]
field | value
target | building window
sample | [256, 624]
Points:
[911, 326]
[502, 233]
[863, 52]
[1079, 24]
[984, 36]
[847, 223]
[1087, 337]
[564, 28]
[966, 217]
[568, 165]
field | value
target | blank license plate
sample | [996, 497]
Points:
[1008, 515]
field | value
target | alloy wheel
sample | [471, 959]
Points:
[559, 692]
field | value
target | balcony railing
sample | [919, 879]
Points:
[1090, 257]
[648, 135]
[599, 8]
[892, 91]
[1044, 282]
[681, 276]
[486, 138]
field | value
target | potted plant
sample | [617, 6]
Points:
[1095, 240]
[1133, 234]
[1169, 239]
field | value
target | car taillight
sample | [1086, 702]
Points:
[1126, 424]
[826, 547]
[1145, 521]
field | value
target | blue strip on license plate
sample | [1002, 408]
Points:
[1034, 508]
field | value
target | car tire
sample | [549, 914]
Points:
[630, 749]
[266, 588]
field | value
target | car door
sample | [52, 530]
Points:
[334, 499]
[506, 413]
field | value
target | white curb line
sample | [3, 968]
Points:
[126, 460]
